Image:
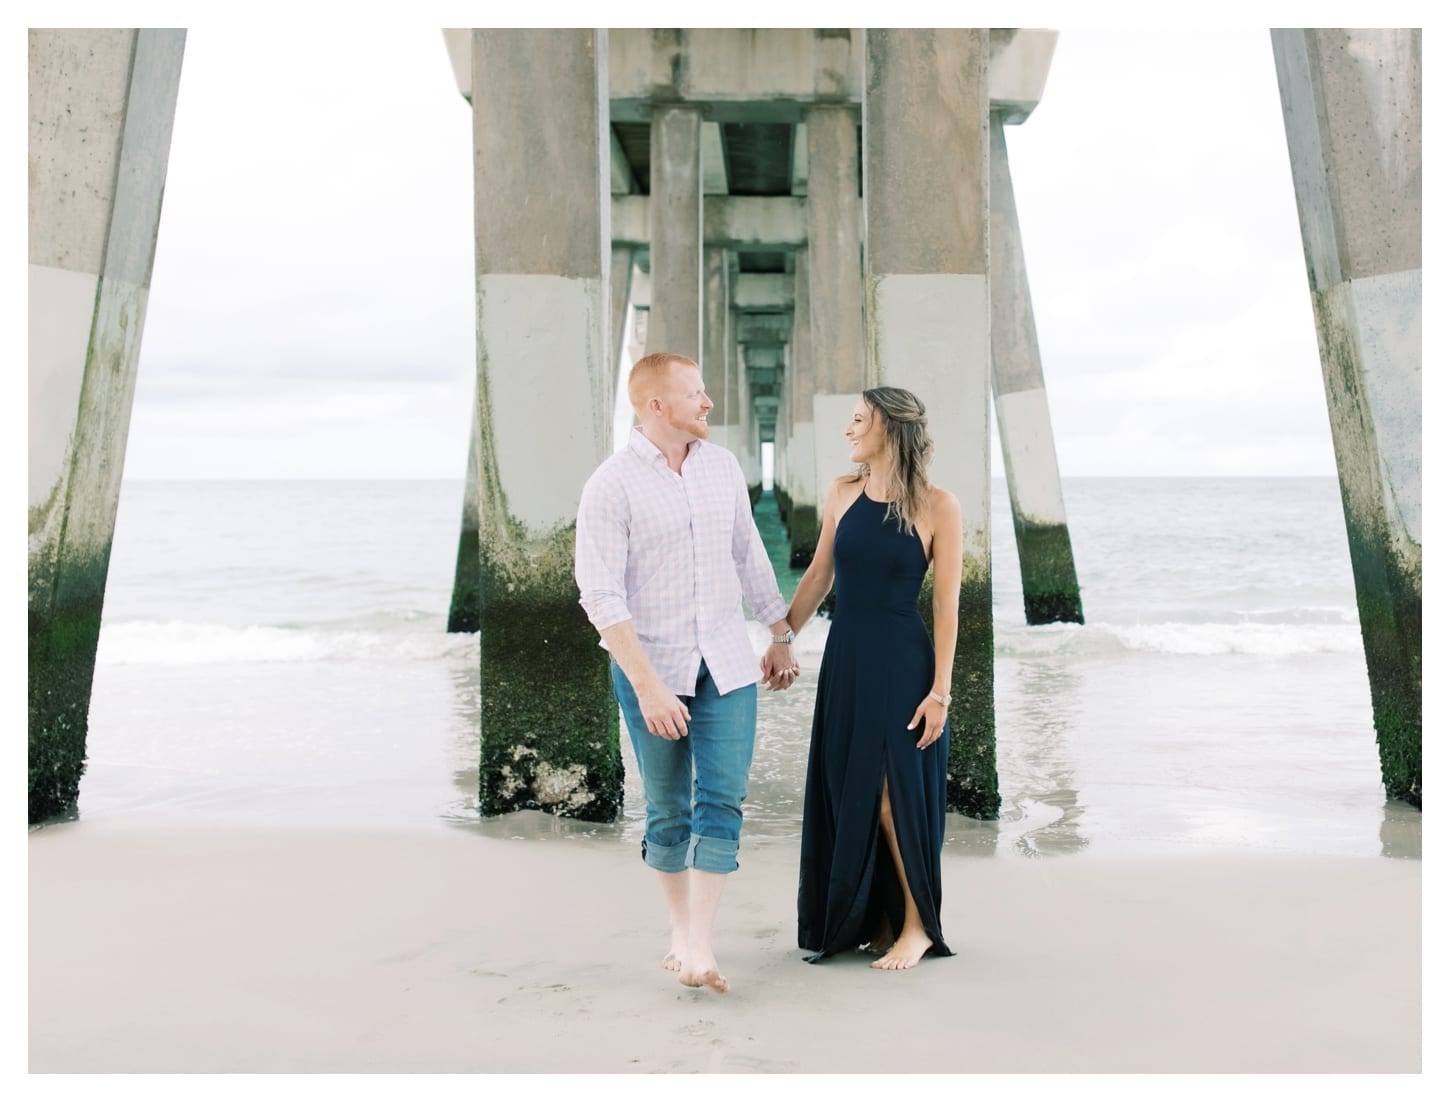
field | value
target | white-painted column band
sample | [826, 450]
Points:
[61, 304]
[539, 336]
[832, 454]
[932, 338]
[1030, 457]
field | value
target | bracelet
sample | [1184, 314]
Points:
[788, 638]
[944, 701]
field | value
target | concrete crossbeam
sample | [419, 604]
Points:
[741, 222]
[1352, 104]
[928, 323]
[102, 103]
[745, 75]
[767, 357]
[763, 328]
[773, 75]
[1017, 74]
[763, 292]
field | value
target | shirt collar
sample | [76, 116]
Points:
[646, 448]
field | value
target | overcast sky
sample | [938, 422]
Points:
[311, 310]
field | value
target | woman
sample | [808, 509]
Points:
[875, 801]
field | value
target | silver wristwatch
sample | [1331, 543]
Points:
[788, 638]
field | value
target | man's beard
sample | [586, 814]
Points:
[698, 429]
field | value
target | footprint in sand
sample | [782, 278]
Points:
[536, 993]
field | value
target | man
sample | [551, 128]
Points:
[664, 548]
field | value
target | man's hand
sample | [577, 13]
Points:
[664, 713]
[778, 667]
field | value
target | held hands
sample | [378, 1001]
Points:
[934, 714]
[664, 713]
[778, 667]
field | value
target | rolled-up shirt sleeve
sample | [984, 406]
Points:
[752, 564]
[601, 552]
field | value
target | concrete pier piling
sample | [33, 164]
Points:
[675, 228]
[621, 276]
[749, 426]
[715, 326]
[1039, 515]
[463, 608]
[550, 727]
[102, 103]
[736, 395]
[1351, 101]
[834, 239]
[927, 322]
[803, 519]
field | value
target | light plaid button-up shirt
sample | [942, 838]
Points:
[675, 553]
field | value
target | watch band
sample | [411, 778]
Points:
[788, 638]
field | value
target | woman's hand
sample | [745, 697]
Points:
[934, 714]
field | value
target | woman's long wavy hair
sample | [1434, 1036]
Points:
[909, 447]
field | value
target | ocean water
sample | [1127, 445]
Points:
[274, 652]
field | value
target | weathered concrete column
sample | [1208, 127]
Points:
[1039, 515]
[803, 524]
[550, 727]
[675, 220]
[621, 275]
[785, 418]
[102, 104]
[463, 608]
[838, 348]
[926, 179]
[1352, 102]
[834, 230]
[731, 404]
[713, 352]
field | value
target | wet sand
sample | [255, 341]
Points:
[247, 949]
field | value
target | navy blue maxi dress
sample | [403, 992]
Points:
[877, 667]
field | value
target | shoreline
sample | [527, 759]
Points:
[189, 947]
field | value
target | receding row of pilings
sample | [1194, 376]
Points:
[907, 304]
[554, 286]
[918, 299]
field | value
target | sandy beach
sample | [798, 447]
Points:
[195, 948]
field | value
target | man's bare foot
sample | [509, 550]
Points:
[705, 973]
[909, 948]
[675, 956]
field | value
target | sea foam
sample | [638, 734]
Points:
[178, 643]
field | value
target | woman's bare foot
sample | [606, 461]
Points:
[671, 963]
[909, 948]
[703, 973]
[881, 940]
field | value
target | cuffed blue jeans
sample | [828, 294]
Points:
[694, 786]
